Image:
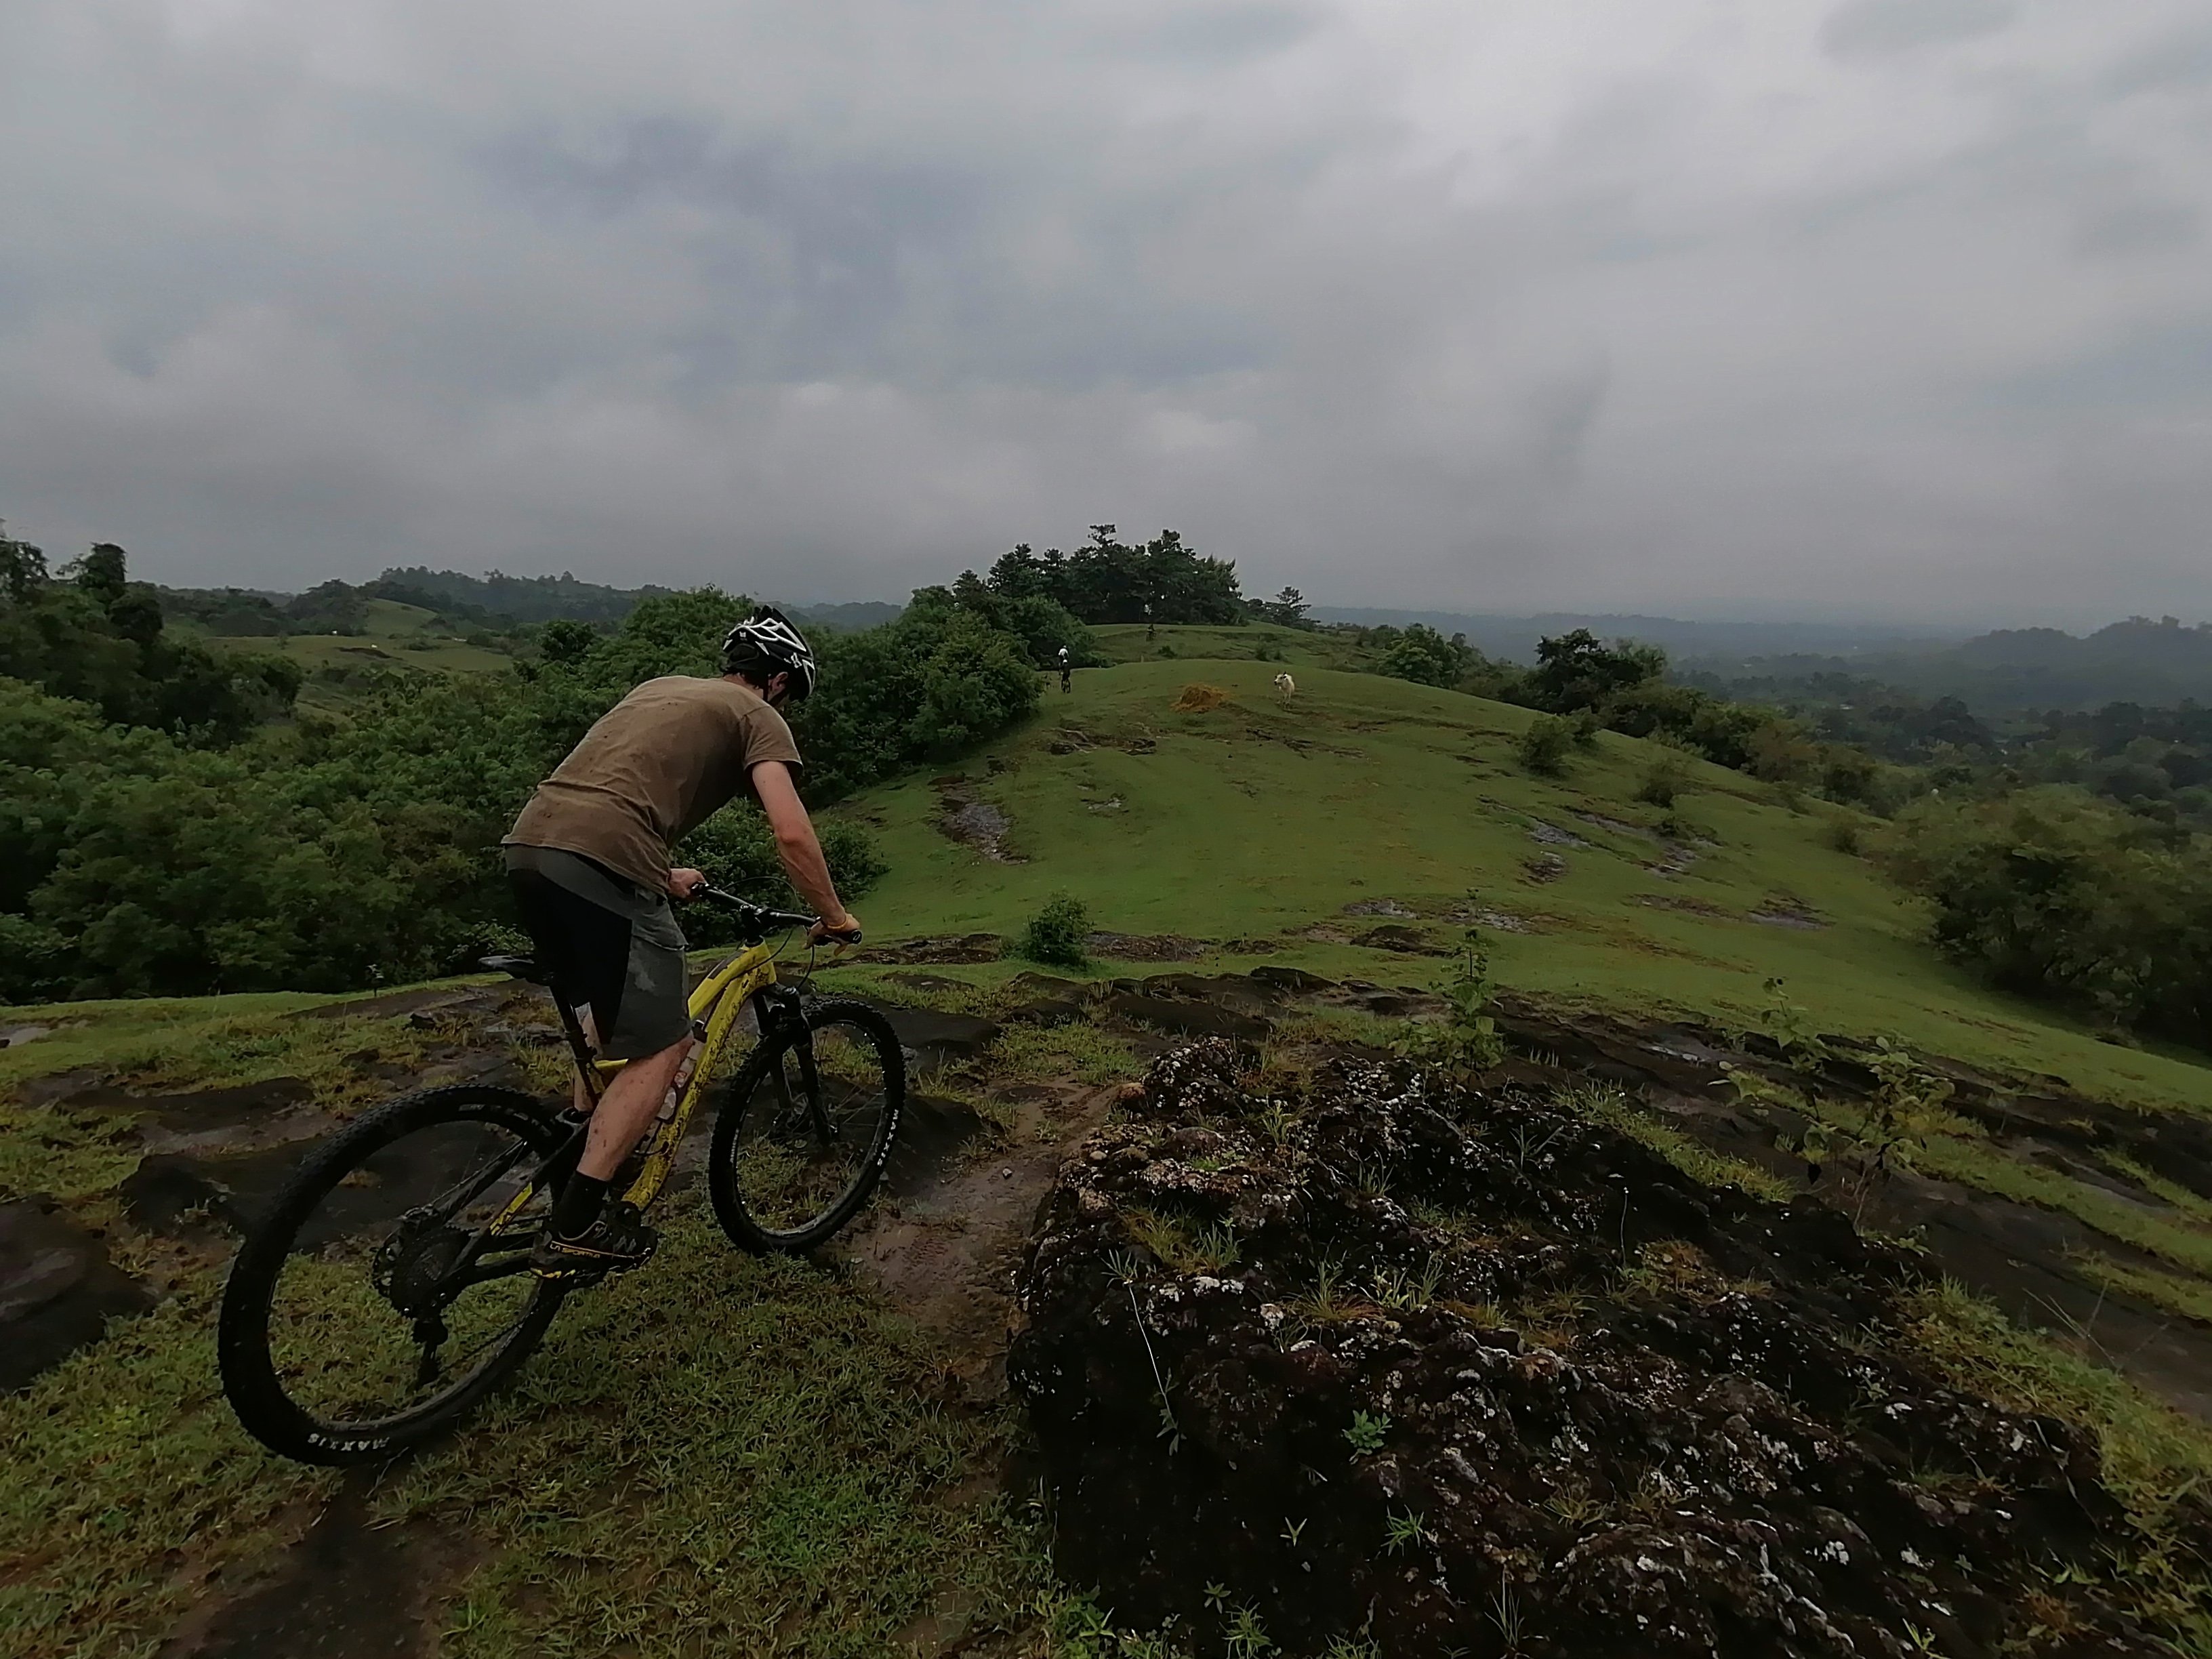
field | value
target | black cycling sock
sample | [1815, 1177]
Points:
[577, 1206]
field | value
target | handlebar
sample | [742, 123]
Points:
[757, 921]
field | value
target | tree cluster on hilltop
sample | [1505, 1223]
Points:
[1163, 580]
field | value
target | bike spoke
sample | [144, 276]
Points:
[807, 1135]
[406, 1291]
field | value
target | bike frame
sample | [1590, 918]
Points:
[714, 1004]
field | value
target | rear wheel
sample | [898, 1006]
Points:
[364, 1315]
[806, 1125]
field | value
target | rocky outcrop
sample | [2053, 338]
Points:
[1465, 1372]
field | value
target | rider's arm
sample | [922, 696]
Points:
[796, 845]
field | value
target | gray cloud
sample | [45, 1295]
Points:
[1860, 310]
[1876, 27]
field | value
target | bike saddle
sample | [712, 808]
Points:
[521, 967]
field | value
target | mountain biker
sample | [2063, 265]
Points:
[588, 859]
[1066, 671]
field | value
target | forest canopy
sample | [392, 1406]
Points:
[163, 841]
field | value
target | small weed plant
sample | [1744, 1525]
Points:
[1402, 1291]
[1465, 1041]
[1405, 1532]
[1366, 1433]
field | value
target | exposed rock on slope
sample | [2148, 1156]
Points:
[1470, 1373]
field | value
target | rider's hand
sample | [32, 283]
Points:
[685, 884]
[826, 928]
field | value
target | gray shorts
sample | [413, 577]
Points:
[609, 947]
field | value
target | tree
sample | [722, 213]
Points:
[96, 635]
[2052, 891]
[22, 568]
[1044, 626]
[565, 639]
[1110, 581]
[1576, 670]
[102, 573]
[1419, 652]
[1286, 610]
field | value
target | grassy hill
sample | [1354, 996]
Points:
[793, 1472]
[1252, 822]
[395, 636]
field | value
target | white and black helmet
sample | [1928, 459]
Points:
[766, 644]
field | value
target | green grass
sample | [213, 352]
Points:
[1293, 649]
[178, 1043]
[121, 1459]
[1252, 821]
[2189, 1298]
[1692, 1158]
[697, 1452]
[1975, 1163]
[2153, 1458]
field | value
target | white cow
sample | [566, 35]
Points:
[1286, 688]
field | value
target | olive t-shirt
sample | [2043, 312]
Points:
[656, 766]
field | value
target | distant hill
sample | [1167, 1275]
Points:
[1514, 638]
[494, 601]
[2157, 663]
[513, 598]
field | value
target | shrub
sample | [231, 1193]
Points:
[1056, 934]
[1661, 784]
[1543, 747]
[1466, 1041]
[2053, 891]
[1419, 653]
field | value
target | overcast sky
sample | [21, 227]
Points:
[1884, 308]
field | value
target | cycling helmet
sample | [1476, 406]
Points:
[766, 644]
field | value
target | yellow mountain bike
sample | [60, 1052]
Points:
[387, 1289]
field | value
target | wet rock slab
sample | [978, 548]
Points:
[934, 1039]
[948, 949]
[1432, 1367]
[1185, 1017]
[58, 1290]
[1146, 947]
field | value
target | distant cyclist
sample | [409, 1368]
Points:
[589, 859]
[1066, 671]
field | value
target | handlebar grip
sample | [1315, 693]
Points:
[849, 936]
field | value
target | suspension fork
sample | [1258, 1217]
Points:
[782, 1015]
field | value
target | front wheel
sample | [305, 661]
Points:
[387, 1289]
[806, 1125]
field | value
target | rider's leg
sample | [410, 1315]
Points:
[626, 1109]
[586, 1234]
